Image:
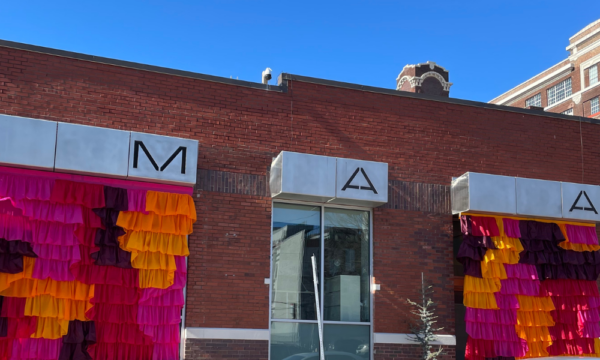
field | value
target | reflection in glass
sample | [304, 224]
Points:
[347, 276]
[294, 341]
[346, 342]
[296, 237]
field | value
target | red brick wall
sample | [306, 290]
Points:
[407, 352]
[241, 129]
[226, 349]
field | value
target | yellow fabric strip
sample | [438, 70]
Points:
[62, 309]
[160, 279]
[534, 333]
[480, 300]
[170, 244]
[537, 349]
[504, 256]
[153, 261]
[534, 318]
[172, 224]
[50, 328]
[170, 204]
[578, 247]
[508, 243]
[478, 285]
[490, 270]
[73, 290]
[535, 303]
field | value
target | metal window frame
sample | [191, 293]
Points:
[371, 294]
[559, 91]
[595, 102]
[535, 100]
[595, 67]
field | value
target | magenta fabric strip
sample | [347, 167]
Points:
[511, 228]
[582, 234]
[126, 184]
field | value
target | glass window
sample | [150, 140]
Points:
[568, 112]
[559, 92]
[294, 341]
[346, 266]
[346, 342]
[296, 237]
[593, 75]
[535, 100]
[595, 106]
[340, 240]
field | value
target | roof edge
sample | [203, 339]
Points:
[282, 81]
[284, 77]
[135, 65]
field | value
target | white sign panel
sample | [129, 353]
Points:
[27, 142]
[361, 182]
[580, 201]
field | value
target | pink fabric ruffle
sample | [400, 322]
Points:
[108, 351]
[492, 349]
[164, 334]
[521, 271]
[136, 200]
[44, 349]
[574, 303]
[47, 211]
[70, 192]
[506, 301]
[166, 297]
[497, 332]
[571, 347]
[95, 274]
[575, 317]
[582, 234]
[159, 315]
[20, 187]
[56, 252]
[113, 294]
[7, 208]
[13, 307]
[46, 232]
[53, 269]
[505, 316]
[520, 287]
[165, 352]
[15, 228]
[120, 333]
[484, 226]
[112, 313]
[511, 228]
[569, 288]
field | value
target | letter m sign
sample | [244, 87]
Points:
[140, 145]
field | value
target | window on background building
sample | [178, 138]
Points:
[340, 240]
[593, 75]
[559, 92]
[535, 100]
[568, 112]
[595, 105]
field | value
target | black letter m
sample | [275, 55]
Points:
[136, 149]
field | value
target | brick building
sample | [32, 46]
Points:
[232, 308]
[569, 87]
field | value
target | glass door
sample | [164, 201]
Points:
[339, 238]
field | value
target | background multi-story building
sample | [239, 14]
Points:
[570, 87]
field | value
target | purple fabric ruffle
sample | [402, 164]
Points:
[80, 335]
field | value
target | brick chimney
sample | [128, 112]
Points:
[425, 78]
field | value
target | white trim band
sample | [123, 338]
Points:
[227, 333]
[263, 335]
[390, 338]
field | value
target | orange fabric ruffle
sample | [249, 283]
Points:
[50, 328]
[170, 204]
[171, 244]
[160, 279]
[153, 261]
[62, 309]
[479, 285]
[508, 243]
[504, 256]
[7, 279]
[73, 290]
[578, 247]
[493, 270]
[534, 333]
[534, 318]
[535, 303]
[170, 224]
[537, 349]
[480, 300]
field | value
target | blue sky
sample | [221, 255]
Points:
[488, 46]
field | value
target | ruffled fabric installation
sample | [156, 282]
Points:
[530, 288]
[89, 271]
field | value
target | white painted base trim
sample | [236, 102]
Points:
[226, 333]
[263, 334]
[390, 338]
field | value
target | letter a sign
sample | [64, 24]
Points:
[360, 182]
[579, 202]
[588, 202]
